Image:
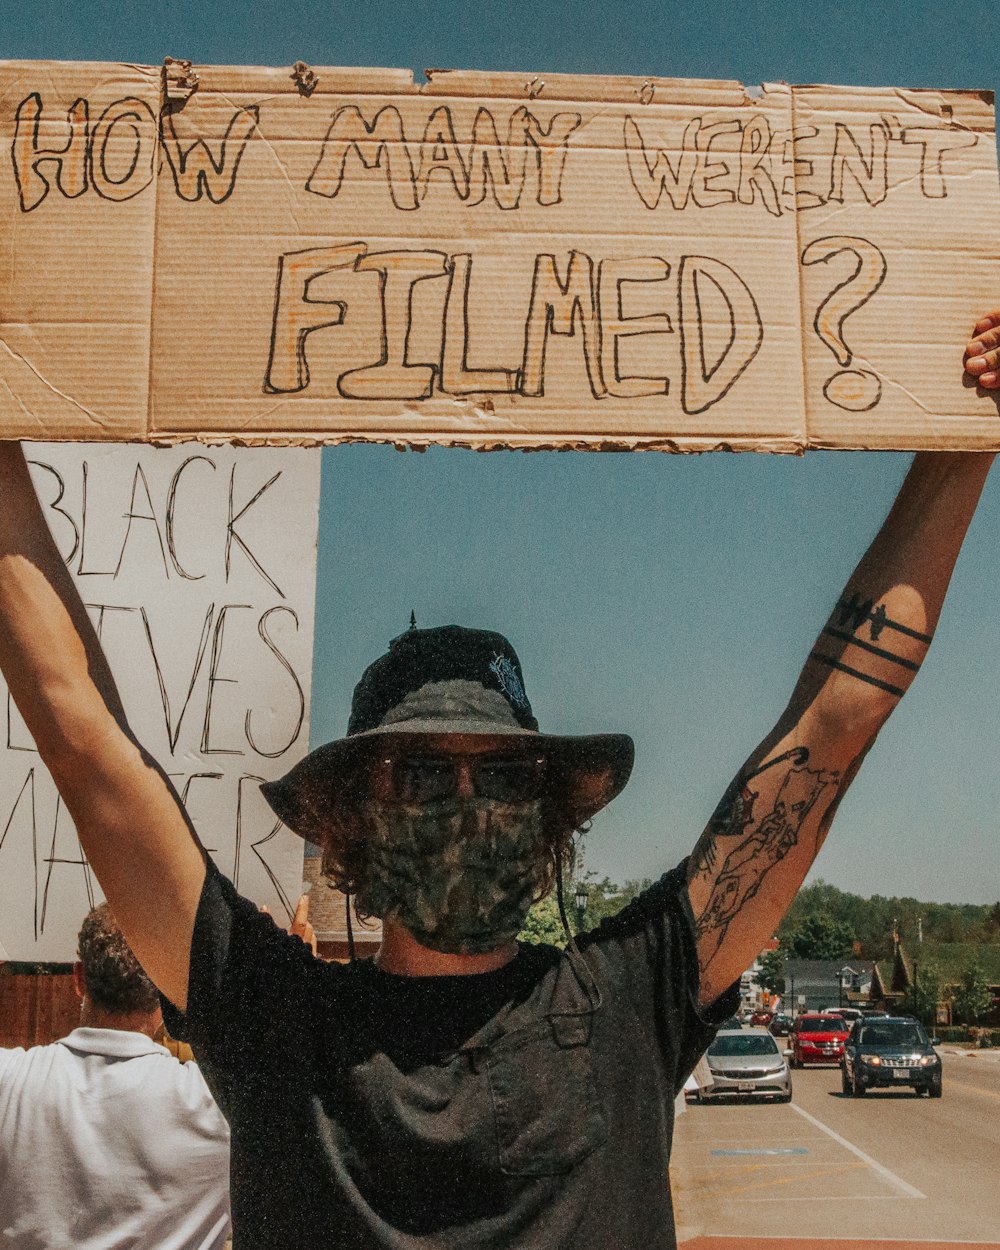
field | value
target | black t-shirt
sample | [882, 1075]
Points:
[530, 1108]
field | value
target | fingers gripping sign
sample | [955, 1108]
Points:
[300, 926]
[982, 356]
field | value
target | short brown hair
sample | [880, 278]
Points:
[113, 976]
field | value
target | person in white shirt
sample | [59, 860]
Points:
[106, 1141]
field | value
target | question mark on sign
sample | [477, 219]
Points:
[855, 390]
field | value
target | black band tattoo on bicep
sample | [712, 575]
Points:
[850, 616]
[855, 611]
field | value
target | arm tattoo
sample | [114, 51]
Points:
[750, 846]
[851, 615]
[749, 862]
[830, 662]
[735, 809]
[870, 648]
[856, 611]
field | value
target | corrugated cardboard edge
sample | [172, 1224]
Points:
[685, 447]
[784, 447]
[494, 442]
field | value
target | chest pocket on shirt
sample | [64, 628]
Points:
[547, 1110]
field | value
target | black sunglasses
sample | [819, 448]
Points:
[505, 778]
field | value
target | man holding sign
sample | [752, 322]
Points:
[462, 1091]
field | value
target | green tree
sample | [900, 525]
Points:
[543, 924]
[607, 898]
[772, 972]
[820, 937]
[973, 997]
[604, 898]
[991, 925]
[872, 920]
[929, 989]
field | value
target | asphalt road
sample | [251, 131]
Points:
[890, 1166]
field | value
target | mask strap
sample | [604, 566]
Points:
[559, 899]
[577, 961]
[350, 930]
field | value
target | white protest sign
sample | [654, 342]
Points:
[198, 568]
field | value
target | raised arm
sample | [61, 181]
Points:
[771, 822]
[130, 821]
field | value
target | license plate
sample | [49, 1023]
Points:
[745, 1087]
[901, 1074]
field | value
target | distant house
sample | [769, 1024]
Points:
[812, 984]
[894, 980]
[892, 983]
[751, 993]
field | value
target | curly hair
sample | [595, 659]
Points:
[113, 976]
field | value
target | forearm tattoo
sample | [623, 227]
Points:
[735, 809]
[850, 620]
[740, 846]
[751, 846]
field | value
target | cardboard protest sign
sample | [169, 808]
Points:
[198, 567]
[491, 259]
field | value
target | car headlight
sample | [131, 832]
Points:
[874, 1060]
[927, 1060]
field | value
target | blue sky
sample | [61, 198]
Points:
[674, 598]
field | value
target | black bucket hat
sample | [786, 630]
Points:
[447, 680]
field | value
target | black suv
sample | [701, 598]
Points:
[890, 1051]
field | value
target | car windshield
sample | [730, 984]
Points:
[743, 1044]
[890, 1034]
[823, 1024]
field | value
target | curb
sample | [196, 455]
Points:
[990, 1055]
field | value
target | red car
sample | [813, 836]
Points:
[817, 1038]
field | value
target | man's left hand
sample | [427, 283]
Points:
[982, 356]
[300, 926]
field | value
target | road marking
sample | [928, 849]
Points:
[833, 1170]
[765, 1150]
[801, 1166]
[840, 1199]
[890, 1177]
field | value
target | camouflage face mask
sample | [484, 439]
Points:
[459, 875]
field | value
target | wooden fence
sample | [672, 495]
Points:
[36, 1007]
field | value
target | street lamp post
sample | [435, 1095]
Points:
[580, 898]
